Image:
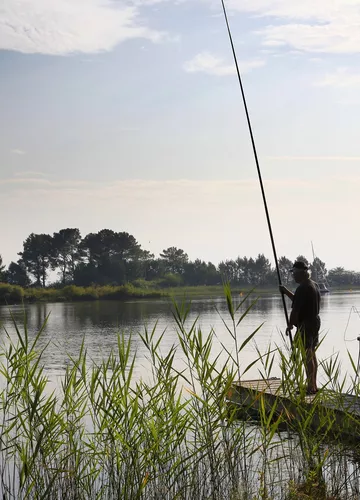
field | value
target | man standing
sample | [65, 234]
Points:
[305, 316]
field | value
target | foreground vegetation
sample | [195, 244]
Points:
[105, 434]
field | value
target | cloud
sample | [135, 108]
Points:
[29, 173]
[90, 26]
[310, 26]
[33, 178]
[342, 77]
[61, 27]
[18, 152]
[326, 38]
[179, 190]
[206, 62]
[313, 158]
[293, 9]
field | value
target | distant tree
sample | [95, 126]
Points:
[174, 260]
[17, 274]
[155, 268]
[223, 270]
[2, 270]
[128, 249]
[86, 275]
[243, 273]
[68, 252]
[272, 278]
[212, 275]
[250, 271]
[117, 257]
[106, 244]
[318, 270]
[247, 271]
[228, 271]
[200, 273]
[139, 266]
[38, 256]
[261, 270]
[285, 265]
[97, 246]
[340, 276]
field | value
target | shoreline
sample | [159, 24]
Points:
[14, 294]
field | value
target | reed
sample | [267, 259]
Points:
[105, 434]
[14, 294]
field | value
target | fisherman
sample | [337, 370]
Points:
[305, 316]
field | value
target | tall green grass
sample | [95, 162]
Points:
[106, 434]
[14, 294]
[139, 289]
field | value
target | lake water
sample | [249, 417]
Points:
[99, 322]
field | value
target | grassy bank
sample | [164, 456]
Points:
[108, 435]
[13, 294]
[217, 291]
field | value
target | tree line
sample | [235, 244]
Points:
[116, 258]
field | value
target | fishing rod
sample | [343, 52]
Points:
[258, 168]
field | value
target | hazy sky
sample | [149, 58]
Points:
[127, 115]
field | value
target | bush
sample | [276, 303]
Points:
[141, 283]
[76, 293]
[41, 295]
[170, 280]
[10, 293]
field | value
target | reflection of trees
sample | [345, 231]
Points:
[97, 323]
[116, 314]
[98, 317]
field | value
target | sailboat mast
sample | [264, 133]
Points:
[314, 265]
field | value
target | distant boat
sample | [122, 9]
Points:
[320, 280]
[323, 289]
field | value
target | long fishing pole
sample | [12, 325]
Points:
[257, 167]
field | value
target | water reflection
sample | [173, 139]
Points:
[98, 323]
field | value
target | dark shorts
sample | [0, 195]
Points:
[309, 332]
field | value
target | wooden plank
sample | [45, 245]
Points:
[252, 394]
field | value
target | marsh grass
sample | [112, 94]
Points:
[14, 294]
[139, 289]
[172, 435]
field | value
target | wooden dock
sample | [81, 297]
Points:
[251, 397]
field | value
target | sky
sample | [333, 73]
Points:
[127, 115]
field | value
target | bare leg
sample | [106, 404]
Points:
[311, 367]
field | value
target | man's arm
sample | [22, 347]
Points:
[299, 302]
[286, 292]
[293, 320]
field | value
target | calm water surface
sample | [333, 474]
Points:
[99, 322]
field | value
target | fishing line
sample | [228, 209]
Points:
[353, 309]
[257, 165]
